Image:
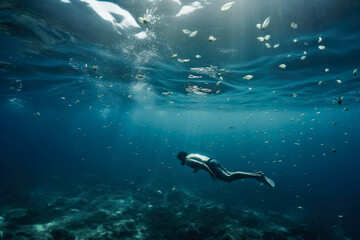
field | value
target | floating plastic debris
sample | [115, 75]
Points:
[320, 40]
[212, 38]
[226, 6]
[193, 34]
[198, 56]
[265, 23]
[293, 25]
[183, 60]
[283, 66]
[321, 47]
[143, 20]
[186, 31]
[248, 77]
[276, 45]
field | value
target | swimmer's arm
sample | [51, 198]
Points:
[196, 165]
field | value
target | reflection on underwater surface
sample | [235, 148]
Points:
[98, 97]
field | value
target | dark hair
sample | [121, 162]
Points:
[181, 156]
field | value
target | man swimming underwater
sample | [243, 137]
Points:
[213, 167]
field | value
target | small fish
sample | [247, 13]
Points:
[320, 40]
[303, 58]
[261, 39]
[248, 77]
[265, 23]
[267, 45]
[267, 37]
[183, 60]
[226, 6]
[174, 56]
[321, 47]
[338, 81]
[355, 72]
[283, 66]
[193, 34]
[198, 56]
[293, 25]
[258, 25]
[276, 45]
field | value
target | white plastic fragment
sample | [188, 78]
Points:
[226, 6]
[265, 23]
[293, 25]
[186, 31]
[212, 38]
[248, 77]
[193, 34]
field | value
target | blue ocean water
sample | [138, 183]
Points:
[98, 97]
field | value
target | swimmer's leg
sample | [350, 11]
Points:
[258, 176]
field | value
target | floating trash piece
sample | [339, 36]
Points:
[186, 31]
[198, 56]
[276, 45]
[293, 25]
[140, 76]
[320, 40]
[143, 20]
[265, 23]
[303, 58]
[283, 66]
[212, 38]
[321, 47]
[355, 72]
[267, 45]
[226, 6]
[183, 60]
[338, 81]
[248, 77]
[167, 93]
[218, 83]
[267, 37]
[295, 40]
[258, 25]
[261, 39]
[193, 34]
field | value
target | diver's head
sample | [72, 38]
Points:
[181, 156]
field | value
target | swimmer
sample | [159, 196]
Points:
[216, 171]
